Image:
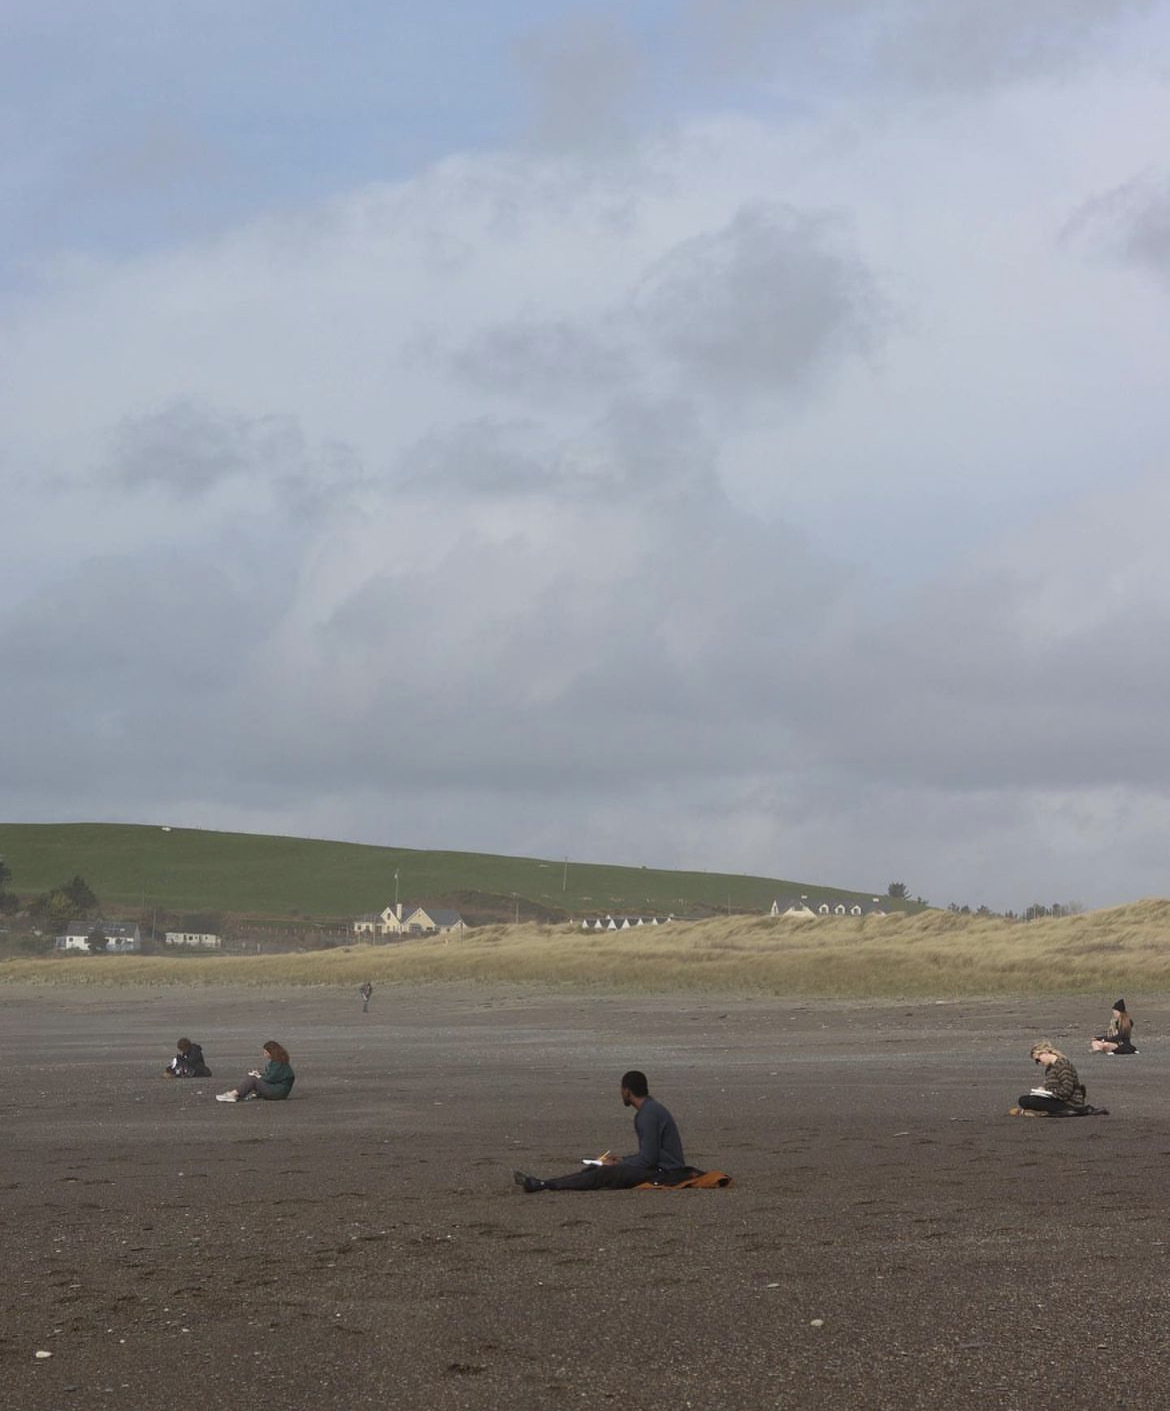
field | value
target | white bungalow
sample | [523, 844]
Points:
[196, 940]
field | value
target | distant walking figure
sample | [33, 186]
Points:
[366, 991]
[275, 1083]
[1118, 1037]
[188, 1062]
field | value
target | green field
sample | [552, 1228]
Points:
[136, 868]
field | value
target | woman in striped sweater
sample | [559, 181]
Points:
[1062, 1092]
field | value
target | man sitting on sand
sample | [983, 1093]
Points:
[659, 1158]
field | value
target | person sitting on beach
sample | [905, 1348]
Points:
[1062, 1093]
[659, 1158]
[1118, 1037]
[188, 1062]
[275, 1083]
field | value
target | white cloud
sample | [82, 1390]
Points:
[777, 494]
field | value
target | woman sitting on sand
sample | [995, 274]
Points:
[188, 1062]
[1118, 1037]
[274, 1083]
[1062, 1093]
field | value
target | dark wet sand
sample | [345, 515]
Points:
[894, 1239]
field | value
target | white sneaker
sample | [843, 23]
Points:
[226, 1097]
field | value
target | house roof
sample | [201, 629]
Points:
[440, 915]
[112, 930]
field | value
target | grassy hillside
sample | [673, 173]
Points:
[932, 954]
[133, 867]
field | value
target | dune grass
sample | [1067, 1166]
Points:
[927, 955]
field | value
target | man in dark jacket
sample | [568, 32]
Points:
[659, 1158]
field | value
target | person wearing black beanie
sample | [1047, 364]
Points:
[1118, 1037]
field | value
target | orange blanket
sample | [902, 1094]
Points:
[700, 1181]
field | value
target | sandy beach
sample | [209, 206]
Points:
[893, 1239]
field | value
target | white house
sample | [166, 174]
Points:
[121, 937]
[409, 919]
[197, 940]
[802, 906]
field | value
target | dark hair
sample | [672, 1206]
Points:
[635, 1083]
[277, 1052]
[1119, 1005]
[184, 1045]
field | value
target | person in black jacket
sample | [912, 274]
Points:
[188, 1062]
[1118, 1037]
[659, 1158]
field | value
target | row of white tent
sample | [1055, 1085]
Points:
[622, 923]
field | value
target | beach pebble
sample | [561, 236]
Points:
[817, 1323]
[44, 1354]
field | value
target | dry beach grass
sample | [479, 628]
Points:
[933, 953]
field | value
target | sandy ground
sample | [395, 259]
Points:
[893, 1239]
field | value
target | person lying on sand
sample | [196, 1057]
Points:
[1118, 1037]
[659, 1157]
[275, 1083]
[188, 1062]
[1062, 1093]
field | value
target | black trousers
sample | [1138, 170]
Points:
[616, 1178]
[1045, 1104]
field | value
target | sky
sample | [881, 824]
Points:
[716, 434]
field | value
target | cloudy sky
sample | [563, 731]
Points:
[721, 434]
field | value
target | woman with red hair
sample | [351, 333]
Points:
[274, 1084]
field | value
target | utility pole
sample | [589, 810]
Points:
[565, 877]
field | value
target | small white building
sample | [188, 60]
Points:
[197, 940]
[122, 938]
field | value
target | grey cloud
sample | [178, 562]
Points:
[634, 449]
[189, 449]
[583, 77]
[975, 43]
[1032, 674]
[485, 456]
[961, 45]
[116, 674]
[544, 360]
[1131, 222]
[762, 306]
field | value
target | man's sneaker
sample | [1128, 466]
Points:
[226, 1097]
[530, 1184]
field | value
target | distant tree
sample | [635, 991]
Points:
[897, 890]
[96, 941]
[8, 900]
[81, 895]
[53, 910]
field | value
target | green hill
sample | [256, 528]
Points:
[135, 868]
